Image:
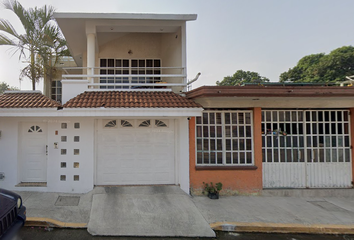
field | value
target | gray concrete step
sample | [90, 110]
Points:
[159, 211]
[323, 192]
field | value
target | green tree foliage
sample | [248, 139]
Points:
[332, 67]
[4, 87]
[53, 48]
[240, 77]
[42, 39]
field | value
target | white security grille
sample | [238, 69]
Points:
[143, 67]
[224, 138]
[306, 148]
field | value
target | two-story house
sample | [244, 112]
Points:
[123, 119]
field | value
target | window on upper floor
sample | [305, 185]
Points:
[224, 138]
[140, 69]
[56, 93]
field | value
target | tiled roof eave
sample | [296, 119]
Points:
[122, 108]
[131, 99]
[26, 100]
[31, 107]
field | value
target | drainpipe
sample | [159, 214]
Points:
[194, 79]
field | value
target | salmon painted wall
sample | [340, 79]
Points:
[352, 139]
[235, 181]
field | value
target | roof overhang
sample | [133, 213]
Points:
[276, 102]
[273, 97]
[103, 112]
[126, 16]
[75, 25]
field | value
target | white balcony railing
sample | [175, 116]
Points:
[128, 77]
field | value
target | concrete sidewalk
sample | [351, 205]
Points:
[46, 209]
[278, 214]
[229, 213]
[154, 211]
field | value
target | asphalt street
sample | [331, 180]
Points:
[40, 233]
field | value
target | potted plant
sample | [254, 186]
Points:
[212, 190]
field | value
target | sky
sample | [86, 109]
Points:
[265, 36]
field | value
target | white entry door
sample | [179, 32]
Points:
[135, 152]
[33, 151]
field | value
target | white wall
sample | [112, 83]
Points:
[142, 45]
[72, 88]
[9, 153]
[171, 53]
[164, 46]
[85, 157]
[183, 153]
[9, 159]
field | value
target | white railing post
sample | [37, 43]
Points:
[91, 48]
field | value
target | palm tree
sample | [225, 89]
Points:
[52, 49]
[41, 37]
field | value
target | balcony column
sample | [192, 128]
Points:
[91, 47]
[184, 52]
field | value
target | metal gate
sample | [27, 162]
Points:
[306, 148]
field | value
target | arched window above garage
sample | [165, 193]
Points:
[35, 129]
[125, 123]
[145, 123]
[159, 123]
[111, 124]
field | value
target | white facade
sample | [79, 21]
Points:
[71, 156]
[60, 169]
[68, 149]
[112, 38]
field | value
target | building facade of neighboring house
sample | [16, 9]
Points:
[123, 116]
[257, 137]
[122, 119]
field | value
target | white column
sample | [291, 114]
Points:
[91, 47]
[184, 52]
[183, 155]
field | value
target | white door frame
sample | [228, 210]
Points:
[39, 146]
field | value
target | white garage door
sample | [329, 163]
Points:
[306, 149]
[133, 152]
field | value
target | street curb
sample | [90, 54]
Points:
[48, 222]
[282, 228]
[225, 226]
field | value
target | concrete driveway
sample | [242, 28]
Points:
[146, 211]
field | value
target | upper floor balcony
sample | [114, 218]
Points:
[141, 77]
[76, 80]
[124, 51]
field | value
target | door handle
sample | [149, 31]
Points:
[46, 150]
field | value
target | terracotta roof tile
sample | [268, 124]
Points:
[130, 99]
[26, 99]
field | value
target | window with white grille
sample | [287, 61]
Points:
[224, 138]
[143, 67]
[305, 136]
[56, 90]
